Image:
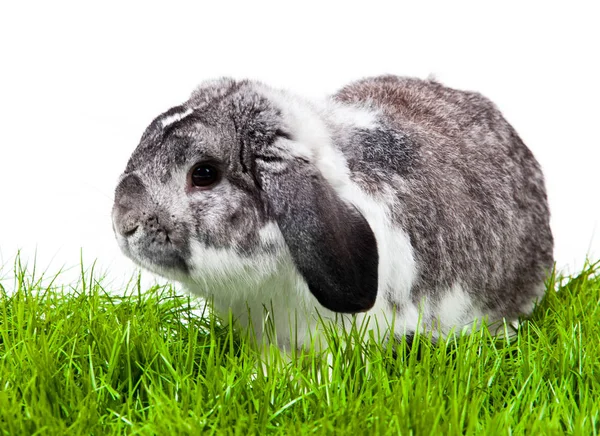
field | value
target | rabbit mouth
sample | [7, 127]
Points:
[157, 252]
[163, 260]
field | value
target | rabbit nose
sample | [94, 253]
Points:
[128, 229]
[157, 229]
[126, 222]
[130, 200]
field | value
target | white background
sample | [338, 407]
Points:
[79, 83]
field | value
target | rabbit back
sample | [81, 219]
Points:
[468, 192]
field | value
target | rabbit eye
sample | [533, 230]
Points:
[204, 175]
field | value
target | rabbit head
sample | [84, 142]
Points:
[230, 187]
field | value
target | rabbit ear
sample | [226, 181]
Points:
[331, 243]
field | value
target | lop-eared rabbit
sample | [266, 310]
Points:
[397, 199]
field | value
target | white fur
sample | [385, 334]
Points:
[220, 268]
[259, 291]
[270, 234]
[455, 309]
[168, 120]
[349, 116]
[397, 266]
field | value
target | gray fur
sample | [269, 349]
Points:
[464, 187]
[473, 198]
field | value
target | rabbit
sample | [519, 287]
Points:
[396, 201]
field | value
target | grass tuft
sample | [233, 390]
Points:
[82, 360]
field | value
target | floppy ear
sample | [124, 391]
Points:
[331, 243]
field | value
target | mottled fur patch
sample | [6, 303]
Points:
[426, 189]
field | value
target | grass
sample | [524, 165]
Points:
[80, 360]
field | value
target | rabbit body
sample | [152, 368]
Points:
[396, 200]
